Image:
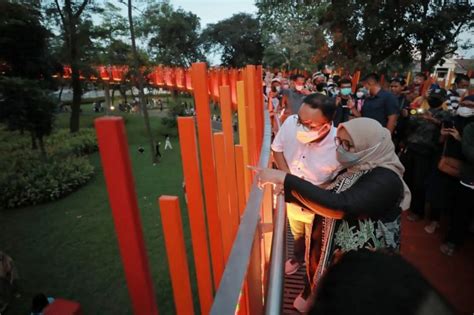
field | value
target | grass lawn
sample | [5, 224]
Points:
[68, 248]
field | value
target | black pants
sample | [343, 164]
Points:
[418, 168]
[460, 211]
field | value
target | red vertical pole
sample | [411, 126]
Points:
[176, 254]
[229, 222]
[188, 144]
[206, 150]
[249, 82]
[226, 113]
[113, 149]
[259, 106]
[240, 168]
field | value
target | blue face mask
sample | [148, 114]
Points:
[346, 91]
[347, 159]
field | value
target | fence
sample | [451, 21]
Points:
[239, 268]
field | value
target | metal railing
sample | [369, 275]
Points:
[276, 276]
[245, 256]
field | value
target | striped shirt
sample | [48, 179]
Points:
[453, 99]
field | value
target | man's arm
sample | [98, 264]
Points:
[392, 122]
[281, 161]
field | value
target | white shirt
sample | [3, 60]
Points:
[316, 161]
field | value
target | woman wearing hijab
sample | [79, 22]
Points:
[360, 209]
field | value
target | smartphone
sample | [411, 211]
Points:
[448, 124]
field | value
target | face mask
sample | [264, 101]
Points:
[346, 91]
[299, 87]
[348, 159]
[286, 86]
[461, 91]
[360, 94]
[465, 111]
[313, 135]
[277, 88]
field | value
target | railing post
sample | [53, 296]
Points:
[176, 254]
[206, 150]
[190, 161]
[116, 164]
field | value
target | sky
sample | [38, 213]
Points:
[212, 11]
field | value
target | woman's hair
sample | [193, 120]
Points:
[368, 283]
[40, 301]
[322, 102]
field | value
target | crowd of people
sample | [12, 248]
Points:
[349, 159]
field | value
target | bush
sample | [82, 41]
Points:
[33, 181]
[26, 179]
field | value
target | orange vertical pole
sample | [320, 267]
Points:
[226, 113]
[258, 108]
[201, 97]
[243, 132]
[250, 97]
[229, 223]
[176, 254]
[240, 171]
[187, 140]
[113, 147]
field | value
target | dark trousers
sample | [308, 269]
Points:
[460, 211]
[418, 168]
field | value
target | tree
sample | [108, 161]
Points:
[434, 29]
[139, 77]
[172, 36]
[25, 106]
[75, 32]
[28, 57]
[290, 33]
[238, 38]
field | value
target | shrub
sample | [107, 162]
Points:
[26, 179]
[32, 181]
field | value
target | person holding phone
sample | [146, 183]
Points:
[422, 153]
[344, 102]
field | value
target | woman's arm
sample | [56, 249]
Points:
[372, 193]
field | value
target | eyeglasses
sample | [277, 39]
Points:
[307, 125]
[346, 145]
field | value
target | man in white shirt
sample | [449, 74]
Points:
[304, 146]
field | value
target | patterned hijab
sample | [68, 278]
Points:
[368, 134]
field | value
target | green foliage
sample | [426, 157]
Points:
[175, 109]
[26, 107]
[172, 36]
[26, 179]
[32, 182]
[23, 41]
[291, 33]
[239, 39]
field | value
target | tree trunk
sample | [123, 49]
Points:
[42, 149]
[34, 145]
[107, 97]
[60, 93]
[140, 84]
[76, 82]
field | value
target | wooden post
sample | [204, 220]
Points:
[206, 150]
[229, 221]
[231, 176]
[243, 133]
[176, 254]
[240, 169]
[187, 141]
[116, 164]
